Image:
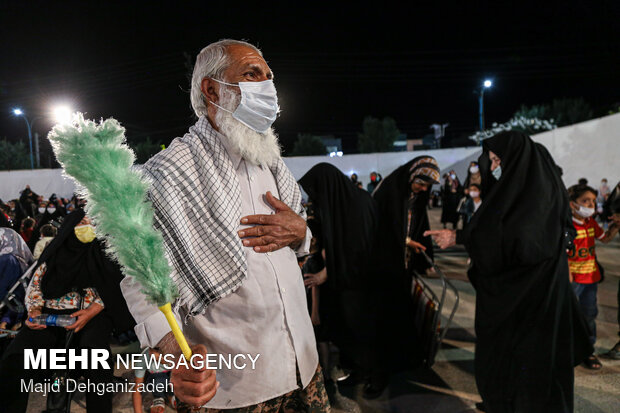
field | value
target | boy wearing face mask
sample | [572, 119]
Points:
[472, 203]
[585, 272]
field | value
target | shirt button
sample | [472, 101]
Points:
[269, 253]
[283, 290]
[252, 178]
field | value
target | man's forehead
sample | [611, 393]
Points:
[246, 56]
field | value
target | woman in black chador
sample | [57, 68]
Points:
[529, 330]
[345, 224]
[451, 193]
[74, 277]
[402, 199]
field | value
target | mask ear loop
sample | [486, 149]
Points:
[215, 104]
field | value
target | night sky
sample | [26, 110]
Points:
[334, 65]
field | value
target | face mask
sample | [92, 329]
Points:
[584, 212]
[474, 194]
[41, 210]
[258, 108]
[474, 169]
[497, 173]
[85, 233]
[453, 176]
[51, 210]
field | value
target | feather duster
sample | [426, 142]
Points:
[98, 158]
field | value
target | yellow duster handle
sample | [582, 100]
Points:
[178, 334]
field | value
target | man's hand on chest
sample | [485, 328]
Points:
[275, 231]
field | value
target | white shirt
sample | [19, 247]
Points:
[267, 315]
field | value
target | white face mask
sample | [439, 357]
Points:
[453, 176]
[584, 212]
[258, 108]
[41, 210]
[51, 210]
[474, 169]
[474, 194]
[497, 173]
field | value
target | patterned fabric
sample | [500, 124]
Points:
[40, 246]
[425, 168]
[582, 258]
[12, 243]
[70, 301]
[196, 198]
[312, 399]
[409, 251]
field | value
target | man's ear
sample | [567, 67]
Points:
[210, 90]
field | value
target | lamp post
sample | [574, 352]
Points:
[19, 112]
[485, 85]
[61, 114]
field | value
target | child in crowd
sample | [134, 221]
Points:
[48, 232]
[151, 370]
[27, 228]
[585, 272]
[471, 203]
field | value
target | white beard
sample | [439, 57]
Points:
[256, 148]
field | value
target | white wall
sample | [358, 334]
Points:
[588, 150]
[384, 163]
[42, 181]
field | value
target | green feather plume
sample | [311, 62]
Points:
[97, 157]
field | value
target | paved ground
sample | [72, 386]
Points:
[449, 386]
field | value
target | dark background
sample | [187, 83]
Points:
[334, 64]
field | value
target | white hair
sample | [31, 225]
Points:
[212, 61]
[256, 148]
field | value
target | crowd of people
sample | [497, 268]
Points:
[373, 180]
[260, 270]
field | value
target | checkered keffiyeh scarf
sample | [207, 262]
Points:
[196, 197]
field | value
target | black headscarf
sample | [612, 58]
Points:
[348, 220]
[393, 197]
[346, 223]
[74, 265]
[529, 330]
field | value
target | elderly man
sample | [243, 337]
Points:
[231, 217]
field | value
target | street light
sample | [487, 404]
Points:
[19, 112]
[62, 114]
[485, 85]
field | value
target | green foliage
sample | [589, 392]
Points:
[14, 155]
[308, 145]
[562, 111]
[377, 135]
[98, 158]
[145, 150]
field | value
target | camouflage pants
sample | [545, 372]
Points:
[312, 399]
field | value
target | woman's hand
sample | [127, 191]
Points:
[445, 238]
[34, 312]
[315, 318]
[314, 280]
[84, 316]
[417, 247]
